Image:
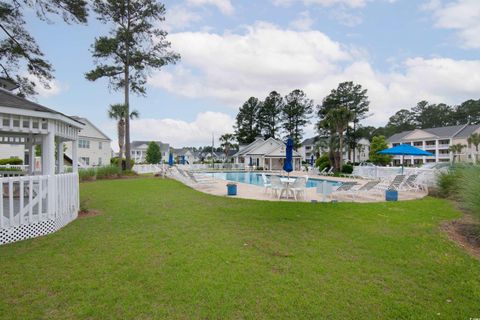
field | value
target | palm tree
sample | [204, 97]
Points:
[456, 149]
[338, 120]
[119, 112]
[474, 139]
[227, 140]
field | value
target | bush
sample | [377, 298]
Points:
[11, 161]
[108, 172]
[347, 169]
[322, 162]
[462, 183]
[114, 161]
[88, 174]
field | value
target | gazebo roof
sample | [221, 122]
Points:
[11, 100]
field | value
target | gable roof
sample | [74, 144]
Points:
[459, 131]
[11, 100]
[137, 144]
[86, 121]
[249, 147]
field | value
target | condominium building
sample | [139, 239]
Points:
[319, 145]
[436, 141]
[138, 150]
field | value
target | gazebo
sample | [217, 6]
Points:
[41, 199]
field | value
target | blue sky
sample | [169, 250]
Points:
[401, 51]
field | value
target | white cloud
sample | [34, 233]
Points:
[460, 15]
[225, 6]
[228, 68]
[180, 17]
[181, 133]
[349, 3]
[55, 87]
[303, 22]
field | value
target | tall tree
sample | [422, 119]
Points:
[227, 142]
[269, 115]
[433, 115]
[21, 60]
[246, 127]
[119, 112]
[337, 120]
[295, 115]
[352, 97]
[379, 143]
[154, 155]
[468, 112]
[134, 47]
[402, 120]
[474, 140]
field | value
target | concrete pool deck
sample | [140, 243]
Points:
[218, 187]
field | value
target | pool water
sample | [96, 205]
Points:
[256, 178]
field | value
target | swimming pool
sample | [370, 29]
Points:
[256, 178]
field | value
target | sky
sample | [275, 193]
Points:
[402, 51]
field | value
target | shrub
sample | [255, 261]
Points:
[114, 161]
[347, 169]
[88, 174]
[11, 161]
[106, 172]
[322, 162]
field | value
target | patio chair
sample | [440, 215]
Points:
[266, 183]
[369, 186]
[277, 186]
[394, 184]
[343, 188]
[411, 184]
[299, 187]
[329, 172]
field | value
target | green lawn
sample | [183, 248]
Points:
[162, 250]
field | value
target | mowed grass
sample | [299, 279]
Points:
[163, 251]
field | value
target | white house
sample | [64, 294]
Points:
[35, 203]
[267, 154]
[138, 150]
[436, 141]
[93, 145]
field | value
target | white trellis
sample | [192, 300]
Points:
[36, 202]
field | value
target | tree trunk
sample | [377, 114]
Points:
[127, 93]
[354, 141]
[121, 140]
[340, 145]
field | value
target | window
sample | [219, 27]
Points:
[100, 145]
[84, 144]
[418, 143]
[85, 160]
[100, 161]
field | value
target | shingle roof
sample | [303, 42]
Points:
[459, 131]
[10, 100]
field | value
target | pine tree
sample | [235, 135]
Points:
[295, 115]
[269, 115]
[134, 47]
[246, 127]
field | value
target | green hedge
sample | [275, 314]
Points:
[105, 172]
[11, 161]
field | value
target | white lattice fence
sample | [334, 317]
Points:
[33, 206]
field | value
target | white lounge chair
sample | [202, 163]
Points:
[266, 183]
[299, 187]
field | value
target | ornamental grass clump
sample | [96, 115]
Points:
[87, 174]
[469, 189]
[107, 172]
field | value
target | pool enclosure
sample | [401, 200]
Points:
[41, 197]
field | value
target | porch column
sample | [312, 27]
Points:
[31, 155]
[48, 167]
[75, 155]
[60, 156]
[270, 160]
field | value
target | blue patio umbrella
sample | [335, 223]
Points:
[170, 159]
[287, 166]
[312, 160]
[405, 150]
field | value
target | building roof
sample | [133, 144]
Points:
[11, 100]
[270, 148]
[137, 144]
[86, 121]
[459, 131]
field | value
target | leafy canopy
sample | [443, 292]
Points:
[378, 144]
[154, 154]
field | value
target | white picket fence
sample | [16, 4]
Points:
[148, 168]
[32, 206]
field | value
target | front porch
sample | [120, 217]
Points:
[41, 197]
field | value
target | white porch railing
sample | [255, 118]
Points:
[148, 168]
[31, 206]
